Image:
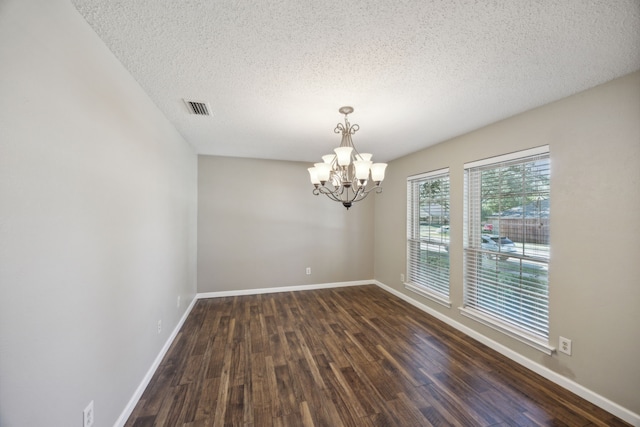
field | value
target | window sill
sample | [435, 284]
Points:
[440, 299]
[531, 340]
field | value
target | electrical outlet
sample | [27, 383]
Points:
[178, 303]
[402, 277]
[308, 271]
[159, 326]
[87, 415]
[565, 345]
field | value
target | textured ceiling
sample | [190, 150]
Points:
[417, 72]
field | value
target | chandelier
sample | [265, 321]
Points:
[343, 176]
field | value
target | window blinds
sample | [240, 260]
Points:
[506, 240]
[428, 233]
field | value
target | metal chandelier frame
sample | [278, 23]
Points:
[343, 177]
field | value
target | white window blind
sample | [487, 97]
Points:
[506, 244]
[428, 235]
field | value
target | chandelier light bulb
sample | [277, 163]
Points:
[344, 155]
[377, 171]
[313, 175]
[323, 171]
[362, 169]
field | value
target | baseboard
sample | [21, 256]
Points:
[124, 416]
[585, 393]
[283, 289]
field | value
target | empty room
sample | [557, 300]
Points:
[296, 213]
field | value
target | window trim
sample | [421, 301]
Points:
[507, 329]
[431, 174]
[437, 297]
[536, 151]
[494, 322]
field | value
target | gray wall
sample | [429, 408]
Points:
[594, 138]
[259, 226]
[97, 222]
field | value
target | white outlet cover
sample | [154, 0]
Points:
[87, 415]
[564, 345]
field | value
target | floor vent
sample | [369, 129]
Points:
[197, 107]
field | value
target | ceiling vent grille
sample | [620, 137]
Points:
[198, 108]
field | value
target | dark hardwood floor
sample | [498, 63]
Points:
[355, 356]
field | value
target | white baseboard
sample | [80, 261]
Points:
[283, 289]
[596, 399]
[124, 416]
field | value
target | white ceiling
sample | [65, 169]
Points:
[417, 72]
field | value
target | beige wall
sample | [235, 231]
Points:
[97, 222]
[259, 226]
[594, 138]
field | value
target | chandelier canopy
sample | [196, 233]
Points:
[343, 176]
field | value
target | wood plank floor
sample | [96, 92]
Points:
[355, 356]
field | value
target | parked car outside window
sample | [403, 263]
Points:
[494, 243]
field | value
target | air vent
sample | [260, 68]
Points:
[198, 107]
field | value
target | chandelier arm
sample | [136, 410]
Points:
[325, 190]
[346, 192]
[332, 194]
[363, 193]
[360, 194]
[338, 190]
[333, 197]
[377, 189]
[355, 186]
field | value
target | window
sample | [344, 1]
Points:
[506, 244]
[428, 235]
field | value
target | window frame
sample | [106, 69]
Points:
[433, 289]
[477, 283]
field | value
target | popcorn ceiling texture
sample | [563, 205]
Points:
[417, 72]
